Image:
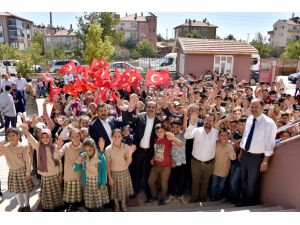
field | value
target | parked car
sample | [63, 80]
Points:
[294, 77]
[37, 69]
[121, 66]
[57, 64]
[8, 66]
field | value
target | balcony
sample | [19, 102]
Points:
[294, 31]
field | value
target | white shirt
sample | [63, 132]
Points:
[204, 146]
[145, 142]
[21, 84]
[5, 83]
[263, 139]
[107, 128]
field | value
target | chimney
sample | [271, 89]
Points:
[293, 15]
[71, 28]
[126, 14]
[204, 21]
[50, 19]
[186, 20]
[135, 16]
[142, 14]
[190, 22]
[194, 21]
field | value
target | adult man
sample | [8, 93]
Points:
[7, 107]
[18, 98]
[257, 146]
[202, 155]
[21, 83]
[5, 82]
[104, 125]
[144, 137]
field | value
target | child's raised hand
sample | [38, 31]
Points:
[101, 144]
[80, 159]
[24, 127]
[59, 143]
[2, 144]
[170, 135]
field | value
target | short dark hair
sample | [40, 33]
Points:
[159, 126]
[177, 121]
[223, 130]
[89, 142]
[7, 88]
[243, 119]
[101, 105]
[210, 114]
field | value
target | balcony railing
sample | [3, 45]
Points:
[294, 31]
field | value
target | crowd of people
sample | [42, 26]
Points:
[195, 140]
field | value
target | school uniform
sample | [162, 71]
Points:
[51, 194]
[72, 192]
[18, 162]
[122, 187]
[93, 175]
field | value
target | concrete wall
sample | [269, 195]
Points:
[281, 183]
[198, 65]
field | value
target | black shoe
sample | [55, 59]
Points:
[149, 201]
[133, 196]
[27, 209]
[1, 197]
[21, 209]
[161, 202]
[239, 204]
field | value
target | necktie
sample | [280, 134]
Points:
[249, 138]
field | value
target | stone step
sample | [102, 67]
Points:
[268, 209]
[237, 209]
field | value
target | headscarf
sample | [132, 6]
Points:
[43, 153]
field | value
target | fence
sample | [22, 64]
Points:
[288, 66]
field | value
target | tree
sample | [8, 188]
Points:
[260, 43]
[35, 52]
[7, 52]
[95, 47]
[108, 22]
[193, 34]
[24, 65]
[292, 50]
[230, 37]
[259, 39]
[160, 38]
[129, 44]
[38, 38]
[143, 49]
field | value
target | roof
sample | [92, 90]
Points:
[195, 23]
[63, 32]
[132, 18]
[208, 46]
[7, 14]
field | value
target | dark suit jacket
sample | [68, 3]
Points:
[96, 129]
[20, 106]
[140, 121]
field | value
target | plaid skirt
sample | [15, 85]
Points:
[93, 196]
[122, 187]
[72, 191]
[51, 195]
[17, 183]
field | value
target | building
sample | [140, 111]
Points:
[284, 31]
[137, 28]
[203, 28]
[197, 56]
[15, 31]
[44, 30]
[61, 37]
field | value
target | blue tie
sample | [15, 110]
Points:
[249, 138]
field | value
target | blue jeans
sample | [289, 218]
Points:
[217, 187]
[234, 190]
[8, 120]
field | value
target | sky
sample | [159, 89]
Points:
[242, 25]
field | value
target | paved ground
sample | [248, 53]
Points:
[10, 203]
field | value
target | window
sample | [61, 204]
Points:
[0, 23]
[181, 63]
[167, 62]
[275, 28]
[13, 34]
[282, 27]
[1, 34]
[28, 36]
[28, 26]
[223, 64]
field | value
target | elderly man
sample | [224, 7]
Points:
[8, 109]
[257, 146]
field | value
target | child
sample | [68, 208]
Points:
[119, 156]
[72, 193]
[162, 162]
[49, 168]
[84, 133]
[177, 177]
[127, 137]
[93, 175]
[224, 153]
[17, 157]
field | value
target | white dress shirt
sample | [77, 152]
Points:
[204, 146]
[107, 128]
[145, 142]
[21, 84]
[5, 83]
[263, 139]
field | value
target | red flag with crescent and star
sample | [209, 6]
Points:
[47, 77]
[70, 67]
[155, 78]
[98, 64]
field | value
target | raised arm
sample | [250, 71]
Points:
[31, 140]
[190, 132]
[59, 149]
[49, 121]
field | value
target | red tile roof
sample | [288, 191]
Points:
[8, 14]
[208, 46]
[196, 24]
[63, 32]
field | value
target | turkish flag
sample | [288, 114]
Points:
[154, 78]
[135, 78]
[103, 73]
[47, 77]
[98, 64]
[54, 90]
[68, 68]
[78, 85]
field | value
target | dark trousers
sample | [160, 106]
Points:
[217, 187]
[177, 180]
[1, 119]
[234, 186]
[140, 170]
[250, 175]
[10, 120]
[188, 170]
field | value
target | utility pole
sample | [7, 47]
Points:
[248, 37]
[167, 34]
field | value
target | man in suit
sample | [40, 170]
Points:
[103, 126]
[144, 137]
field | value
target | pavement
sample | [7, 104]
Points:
[9, 202]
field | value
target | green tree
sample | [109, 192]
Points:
[129, 44]
[36, 53]
[230, 37]
[95, 47]
[38, 38]
[108, 22]
[193, 34]
[143, 49]
[160, 38]
[260, 43]
[292, 50]
[7, 52]
[24, 66]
